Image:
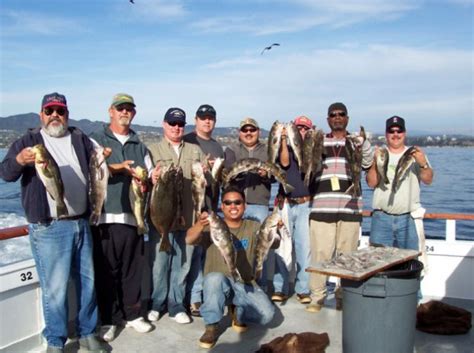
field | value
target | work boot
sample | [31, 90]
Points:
[209, 338]
[236, 324]
[91, 344]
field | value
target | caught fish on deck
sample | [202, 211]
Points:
[223, 240]
[98, 181]
[165, 202]
[138, 196]
[49, 174]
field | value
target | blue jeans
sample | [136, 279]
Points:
[170, 270]
[393, 230]
[61, 249]
[252, 304]
[195, 275]
[256, 212]
[298, 224]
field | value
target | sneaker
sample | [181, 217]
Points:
[140, 325]
[279, 297]
[194, 309]
[303, 298]
[182, 318]
[209, 338]
[153, 315]
[107, 332]
[236, 324]
[314, 307]
[91, 344]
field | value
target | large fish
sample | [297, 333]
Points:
[98, 181]
[296, 143]
[403, 166]
[253, 165]
[266, 235]
[274, 141]
[382, 166]
[216, 180]
[165, 203]
[354, 158]
[48, 172]
[138, 196]
[313, 149]
[198, 188]
[222, 239]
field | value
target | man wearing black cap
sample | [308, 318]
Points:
[205, 121]
[61, 244]
[395, 206]
[336, 213]
[170, 269]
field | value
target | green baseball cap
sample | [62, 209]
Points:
[122, 98]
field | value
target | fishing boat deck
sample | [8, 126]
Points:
[168, 336]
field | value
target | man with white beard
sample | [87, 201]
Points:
[61, 244]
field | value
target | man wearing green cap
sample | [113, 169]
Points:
[118, 248]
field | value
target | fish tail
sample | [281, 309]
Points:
[165, 243]
[236, 275]
[288, 188]
[258, 273]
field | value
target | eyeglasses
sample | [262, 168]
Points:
[174, 123]
[249, 129]
[49, 111]
[127, 107]
[302, 127]
[233, 202]
[341, 114]
[395, 131]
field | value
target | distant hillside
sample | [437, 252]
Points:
[22, 122]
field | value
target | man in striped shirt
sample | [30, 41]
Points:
[336, 212]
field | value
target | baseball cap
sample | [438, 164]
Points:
[304, 120]
[337, 106]
[249, 121]
[395, 121]
[122, 98]
[175, 115]
[54, 99]
[206, 110]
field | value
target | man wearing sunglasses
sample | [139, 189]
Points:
[118, 248]
[61, 247]
[295, 206]
[248, 302]
[170, 269]
[393, 221]
[205, 121]
[336, 215]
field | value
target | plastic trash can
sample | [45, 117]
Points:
[379, 313]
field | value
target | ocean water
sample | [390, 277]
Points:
[452, 191]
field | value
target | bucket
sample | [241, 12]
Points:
[379, 313]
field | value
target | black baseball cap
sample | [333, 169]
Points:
[395, 121]
[206, 110]
[175, 115]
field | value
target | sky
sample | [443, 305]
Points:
[411, 58]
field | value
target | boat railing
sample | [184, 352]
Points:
[450, 218]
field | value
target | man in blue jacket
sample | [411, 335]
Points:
[61, 246]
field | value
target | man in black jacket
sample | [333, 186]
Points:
[61, 244]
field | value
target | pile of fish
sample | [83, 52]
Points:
[50, 176]
[165, 202]
[269, 231]
[308, 152]
[223, 240]
[138, 197]
[98, 180]
[253, 165]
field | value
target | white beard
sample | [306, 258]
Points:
[55, 130]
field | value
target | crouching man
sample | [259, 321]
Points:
[248, 302]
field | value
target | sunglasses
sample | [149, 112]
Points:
[209, 110]
[395, 131]
[206, 117]
[127, 107]
[49, 111]
[249, 129]
[233, 202]
[174, 123]
[302, 127]
[341, 114]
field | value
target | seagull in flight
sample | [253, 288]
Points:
[270, 47]
[133, 2]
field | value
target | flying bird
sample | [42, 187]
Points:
[133, 2]
[270, 47]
